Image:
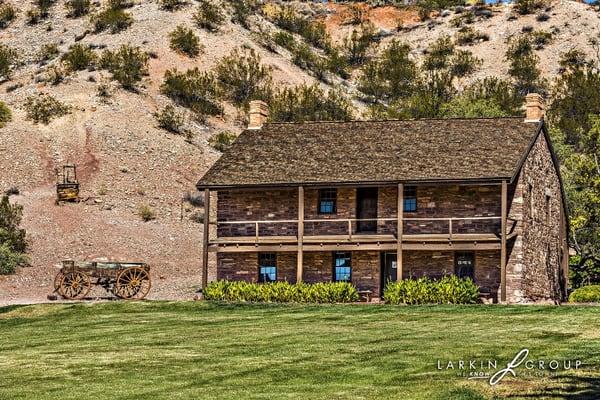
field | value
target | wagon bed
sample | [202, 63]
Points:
[126, 280]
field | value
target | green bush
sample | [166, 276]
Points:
[113, 20]
[185, 40]
[172, 5]
[170, 120]
[5, 114]
[193, 89]
[209, 15]
[8, 13]
[33, 16]
[586, 294]
[8, 60]
[284, 39]
[79, 57]
[242, 77]
[222, 141]
[48, 52]
[242, 9]
[10, 260]
[44, 6]
[357, 44]
[13, 243]
[313, 32]
[127, 64]
[44, 108]
[146, 213]
[309, 103]
[306, 58]
[282, 292]
[524, 7]
[448, 290]
[468, 36]
[78, 8]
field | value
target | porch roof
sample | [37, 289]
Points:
[377, 152]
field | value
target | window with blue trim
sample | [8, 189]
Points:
[267, 267]
[327, 201]
[410, 199]
[342, 267]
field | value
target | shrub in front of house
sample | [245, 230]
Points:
[586, 294]
[448, 290]
[282, 292]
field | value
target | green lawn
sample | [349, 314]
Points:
[195, 350]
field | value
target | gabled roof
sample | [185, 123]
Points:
[364, 152]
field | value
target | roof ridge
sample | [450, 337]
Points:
[396, 120]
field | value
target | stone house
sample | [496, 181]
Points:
[372, 201]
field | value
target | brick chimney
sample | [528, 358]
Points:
[259, 113]
[534, 107]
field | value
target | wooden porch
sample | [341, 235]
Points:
[390, 234]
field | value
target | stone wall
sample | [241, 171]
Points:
[533, 268]
[257, 205]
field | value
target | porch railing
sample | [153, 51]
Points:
[350, 227]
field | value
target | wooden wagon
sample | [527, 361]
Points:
[126, 280]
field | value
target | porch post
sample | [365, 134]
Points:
[205, 237]
[503, 243]
[400, 229]
[300, 234]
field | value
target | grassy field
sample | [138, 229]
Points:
[195, 350]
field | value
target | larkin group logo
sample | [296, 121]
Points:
[521, 365]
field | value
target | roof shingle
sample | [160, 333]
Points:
[373, 151]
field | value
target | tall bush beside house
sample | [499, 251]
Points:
[586, 294]
[281, 292]
[448, 290]
[13, 244]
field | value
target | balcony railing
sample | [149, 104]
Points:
[354, 228]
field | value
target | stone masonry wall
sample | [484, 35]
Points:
[533, 268]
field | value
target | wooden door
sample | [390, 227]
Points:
[366, 208]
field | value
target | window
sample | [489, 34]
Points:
[464, 264]
[327, 201]
[410, 199]
[267, 267]
[342, 268]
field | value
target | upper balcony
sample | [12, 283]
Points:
[442, 217]
[451, 233]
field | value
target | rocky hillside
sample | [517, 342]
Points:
[126, 161]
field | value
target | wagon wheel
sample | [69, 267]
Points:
[57, 280]
[74, 285]
[133, 283]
